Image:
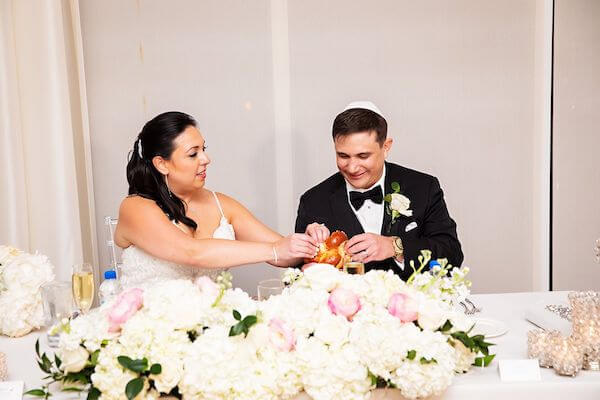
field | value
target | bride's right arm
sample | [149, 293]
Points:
[143, 224]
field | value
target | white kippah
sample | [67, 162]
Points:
[367, 105]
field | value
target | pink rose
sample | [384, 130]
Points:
[124, 308]
[207, 286]
[281, 335]
[344, 302]
[403, 307]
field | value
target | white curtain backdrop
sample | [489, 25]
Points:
[45, 190]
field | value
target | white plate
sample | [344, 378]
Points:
[489, 327]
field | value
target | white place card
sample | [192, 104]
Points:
[519, 370]
[11, 390]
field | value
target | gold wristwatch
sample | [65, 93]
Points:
[398, 248]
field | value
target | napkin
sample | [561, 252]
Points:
[547, 320]
[11, 390]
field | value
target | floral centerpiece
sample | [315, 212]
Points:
[329, 334]
[21, 276]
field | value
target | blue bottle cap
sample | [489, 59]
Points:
[110, 274]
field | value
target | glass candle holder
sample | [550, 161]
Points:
[567, 357]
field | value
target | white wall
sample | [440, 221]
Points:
[576, 144]
[456, 81]
[211, 59]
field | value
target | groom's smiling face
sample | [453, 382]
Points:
[360, 158]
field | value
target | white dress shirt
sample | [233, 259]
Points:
[370, 215]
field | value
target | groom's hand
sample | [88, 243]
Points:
[317, 231]
[368, 247]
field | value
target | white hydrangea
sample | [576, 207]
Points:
[325, 355]
[110, 377]
[417, 379]
[21, 277]
[332, 373]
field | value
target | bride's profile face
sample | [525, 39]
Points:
[188, 162]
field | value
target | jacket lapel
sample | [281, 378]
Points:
[387, 188]
[344, 215]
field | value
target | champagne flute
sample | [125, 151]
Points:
[83, 286]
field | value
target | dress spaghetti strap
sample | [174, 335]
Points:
[219, 205]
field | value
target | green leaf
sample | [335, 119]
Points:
[484, 361]
[139, 365]
[134, 387]
[124, 361]
[94, 357]
[37, 347]
[447, 326]
[47, 363]
[387, 198]
[155, 369]
[72, 389]
[411, 354]
[250, 320]
[236, 329]
[133, 365]
[237, 315]
[395, 187]
[423, 360]
[104, 343]
[35, 392]
[93, 394]
[372, 377]
[57, 361]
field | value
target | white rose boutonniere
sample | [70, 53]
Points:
[397, 204]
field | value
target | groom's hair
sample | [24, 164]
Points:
[357, 120]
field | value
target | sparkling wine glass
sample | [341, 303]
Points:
[83, 286]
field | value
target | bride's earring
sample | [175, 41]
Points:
[167, 183]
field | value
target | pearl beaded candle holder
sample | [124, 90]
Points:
[566, 356]
[3, 367]
[586, 326]
[539, 345]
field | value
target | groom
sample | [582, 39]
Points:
[386, 233]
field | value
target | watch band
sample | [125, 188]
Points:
[398, 248]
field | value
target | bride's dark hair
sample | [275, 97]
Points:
[157, 139]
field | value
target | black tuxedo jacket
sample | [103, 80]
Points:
[327, 203]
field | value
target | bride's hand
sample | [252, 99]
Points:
[295, 246]
[317, 231]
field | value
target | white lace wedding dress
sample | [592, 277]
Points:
[140, 268]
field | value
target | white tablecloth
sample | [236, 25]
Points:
[479, 383]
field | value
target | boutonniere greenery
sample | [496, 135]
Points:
[397, 204]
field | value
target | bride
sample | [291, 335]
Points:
[171, 226]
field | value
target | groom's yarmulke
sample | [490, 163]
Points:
[367, 105]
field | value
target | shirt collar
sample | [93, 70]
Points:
[380, 182]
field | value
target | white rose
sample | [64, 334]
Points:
[464, 357]
[332, 330]
[431, 315]
[401, 204]
[170, 375]
[323, 277]
[74, 360]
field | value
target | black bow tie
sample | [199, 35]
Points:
[358, 198]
